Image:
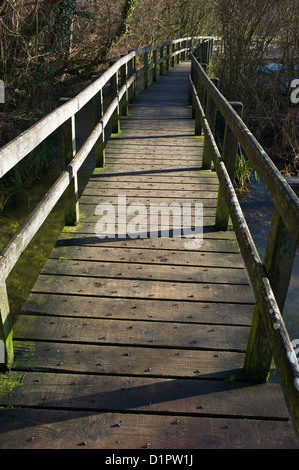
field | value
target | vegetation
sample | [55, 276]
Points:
[52, 48]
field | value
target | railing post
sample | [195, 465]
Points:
[278, 263]
[6, 333]
[161, 63]
[98, 111]
[191, 45]
[192, 73]
[155, 65]
[201, 95]
[68, 151]
[229, 156]
[211, 111]
[146, 72]
[184, 52]
[167, 60]
[124, 100]
[178, 55]
[131, 71]
[173, 57]
[114, 92]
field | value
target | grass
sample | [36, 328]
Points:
[244, 173]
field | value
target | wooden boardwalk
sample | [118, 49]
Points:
[131, 344]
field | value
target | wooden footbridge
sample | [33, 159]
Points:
[152, 339]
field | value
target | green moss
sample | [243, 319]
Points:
[9, 382]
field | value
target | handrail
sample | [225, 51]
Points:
[63, 118]
[17, 149]
[268, 333]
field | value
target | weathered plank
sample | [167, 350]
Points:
[109, 331]
[145, 272]
[127, 360]
[149, 256]
[48, 429]
[138, 309]
[218, 245]
[144, 394]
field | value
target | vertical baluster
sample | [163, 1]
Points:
[155, 65]
[131, 72]
[167, 60]
[161, 57]
[68, 151]
[115, 123]
[173, 57]
[146, 71]
[192, 73]
[124, 100]
[6, 333]
[211, 117]
[98, 111]
[229, 156]
[201, 95]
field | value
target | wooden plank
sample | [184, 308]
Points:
[98, 199]
[147, 395]
[48, 429]
[134, 255]
[209, 245]
[151, 184]
[145, 272]
[209, 232]
[197, 195]
[138, 309]
[155, 334]
[106, 359]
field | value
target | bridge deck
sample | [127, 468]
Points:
[128, 344]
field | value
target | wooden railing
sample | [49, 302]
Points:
[121, 77]
[269, 279]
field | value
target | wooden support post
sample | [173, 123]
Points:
[192, 73]
[98, 111]
[278, 263]
[155, 65]
[167, 60]
[68, 151]
[173, 57]
[132, 89]
[184, 52]
[6, 333]
[124, 100]
[211, 111]
[229, 156]
[178, 55]
[145, 59]
[201, 95]
[211, 46]
[161, 63]
[191, 45]
[205, 52]
[114, 92]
